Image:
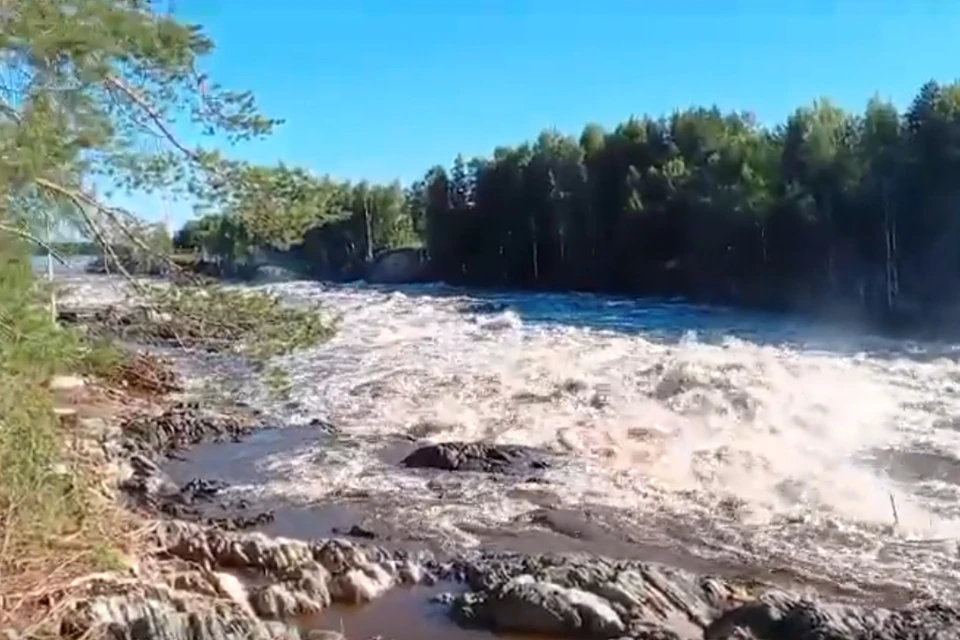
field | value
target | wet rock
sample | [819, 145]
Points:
[357, 531]
[361, 585]
[144, 437]
[445, 598]
[146, 482]
[410, 572]
[282, 631]
[276, 601]
[529, 397]
[200, 489]
[481, 307]
[248, 586]
[777, 615]
[314, 574]
[136, 610]
[238, 522]
[150, 487]
[179, 427]
[582, 596]
[154, 491]
[325, 426]
[477, 456]
[526, 605]
[577, 524]
[599, 400]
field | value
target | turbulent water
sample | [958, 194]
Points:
[741, 438]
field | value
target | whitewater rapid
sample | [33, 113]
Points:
[742, 437]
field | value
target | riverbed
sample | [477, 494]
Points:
[701, 436]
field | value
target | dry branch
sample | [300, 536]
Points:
[34, 239]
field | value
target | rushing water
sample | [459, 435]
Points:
[740, 438]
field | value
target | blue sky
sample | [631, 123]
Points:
[383, 89]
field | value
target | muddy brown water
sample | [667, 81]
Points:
[549, 528]
[409, 613]
[404, 613]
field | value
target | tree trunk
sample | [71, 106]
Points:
[831, 258]
[53, 294]
[534, 253]
[890, 238]
[368, 230]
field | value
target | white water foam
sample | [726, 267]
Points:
[756, 450]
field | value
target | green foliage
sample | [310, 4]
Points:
[217, 237]
[830, 209]
[336, 225]
[278, 382]
[149, 255]
[277, 205]
[40, 500]
[257, 325]
[95, 88]
[69, 249]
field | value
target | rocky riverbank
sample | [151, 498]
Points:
[208, 583]
[211, 577]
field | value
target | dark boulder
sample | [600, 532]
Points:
[477, 456]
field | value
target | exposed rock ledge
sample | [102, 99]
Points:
[217, 585]
[590, 597]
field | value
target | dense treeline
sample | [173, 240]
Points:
[332, 228]
[829, 210]
[79, 248]
[826, 209]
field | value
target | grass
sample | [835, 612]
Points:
[53, 523]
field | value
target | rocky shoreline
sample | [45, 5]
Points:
[219, 584]
[207, 577]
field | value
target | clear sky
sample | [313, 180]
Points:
[383, 89]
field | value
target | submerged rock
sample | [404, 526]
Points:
[477, 456]
[481, 307]
[151, 489]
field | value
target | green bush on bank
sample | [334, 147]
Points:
[42, 498]
[256, 325]
[45, 491]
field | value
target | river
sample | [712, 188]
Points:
[711, 435]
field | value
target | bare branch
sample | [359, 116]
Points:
[81, 199]
[153, 114]
[34, 239]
